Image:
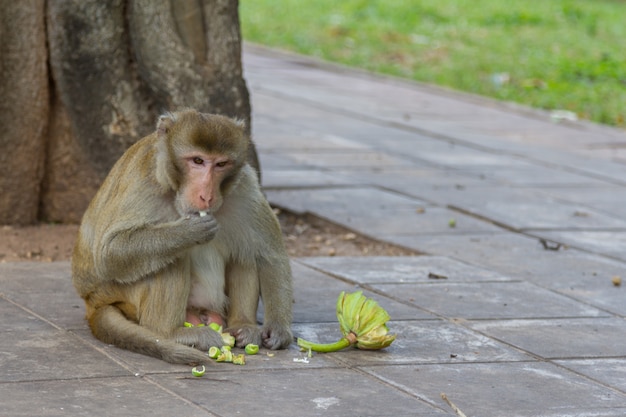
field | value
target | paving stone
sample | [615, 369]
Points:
[462, 158]
[505, 252]
[299, 128]
[337, 200]
[270, 162]
[611, 372]
[315, 298]
[19, 319]
[423, 220]
[488, 300]
[342, 160]
[422, 183]
[608, 199]
[303, 178]
[428, 341]
[611, 243]
[338, 131]
[580, 162]
[29, 355]
[529, 175]
[275, 132]
[406, 143]
[437, 152]
[560, 339]
[51, 276]
[583, 276]
[46, 289]
[64, 309]
[522, 389]
[406, 269]
[373, 212]
[524, 209]
[379, 98]
[135, 363]
[123, 397]
[297, 392]
[599, 291]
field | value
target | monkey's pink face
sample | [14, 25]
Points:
[204, 174]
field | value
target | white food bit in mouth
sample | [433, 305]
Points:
[202, 213]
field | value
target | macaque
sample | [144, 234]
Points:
[180, 231]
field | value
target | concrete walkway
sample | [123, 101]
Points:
[527, 321]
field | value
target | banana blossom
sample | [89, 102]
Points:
[362, 323]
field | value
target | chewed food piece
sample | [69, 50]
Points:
[228, 339]
[252, 349]
[214, 352]
[225, 356]
[198, 371]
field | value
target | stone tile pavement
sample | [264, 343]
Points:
[516, 328]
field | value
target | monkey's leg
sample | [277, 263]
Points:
[164, 308]
[243, 293]
[277, 294]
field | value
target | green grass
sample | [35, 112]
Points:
[550, 54]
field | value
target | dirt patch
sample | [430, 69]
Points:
[44, 242]
[304, 236]
[308, 235]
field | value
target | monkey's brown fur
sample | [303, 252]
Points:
[143, 253]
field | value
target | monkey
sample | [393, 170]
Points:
[181, 231]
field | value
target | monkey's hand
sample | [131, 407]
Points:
[199, 337]
[276, 336]
[200, 229]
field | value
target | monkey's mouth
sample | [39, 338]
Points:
[202, 213]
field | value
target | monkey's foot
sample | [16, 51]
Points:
[276, 337]
[245, 334]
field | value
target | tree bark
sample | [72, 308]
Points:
[114, 66]
[24, 106]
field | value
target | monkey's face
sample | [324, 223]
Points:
[202, 188]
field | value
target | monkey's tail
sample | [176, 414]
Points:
[111, 326]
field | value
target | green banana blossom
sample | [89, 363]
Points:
[362, 322]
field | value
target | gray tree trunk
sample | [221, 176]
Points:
[114, 66]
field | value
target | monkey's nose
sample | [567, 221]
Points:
[205, 201]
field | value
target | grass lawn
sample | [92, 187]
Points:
[550, 54]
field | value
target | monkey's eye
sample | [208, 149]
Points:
[197, 160]
[221, 164]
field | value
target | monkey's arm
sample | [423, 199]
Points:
[128, 254]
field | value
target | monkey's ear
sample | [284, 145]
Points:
[240, 123]
[166, 170]
[165, 122]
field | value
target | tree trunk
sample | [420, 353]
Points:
[24, 107]
[114, 66]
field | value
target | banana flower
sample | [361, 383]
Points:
[362, 323]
